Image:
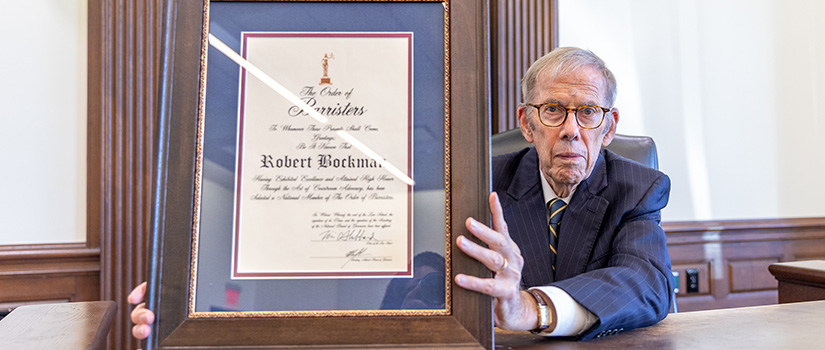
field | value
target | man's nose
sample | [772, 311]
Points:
[570, 127]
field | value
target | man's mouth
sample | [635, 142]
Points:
[569, 156]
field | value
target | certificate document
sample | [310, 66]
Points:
[307, 203]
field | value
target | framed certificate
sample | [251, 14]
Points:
[349, 216]
[316, 161]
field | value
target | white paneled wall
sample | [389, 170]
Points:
[43, 121]
[733, 92]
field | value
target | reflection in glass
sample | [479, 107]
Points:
[424, 291]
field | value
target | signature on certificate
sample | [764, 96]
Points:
[355, 254]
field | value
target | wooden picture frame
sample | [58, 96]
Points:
[464, 321]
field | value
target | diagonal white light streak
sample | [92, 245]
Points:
[274, 85]
[292, 98]
[370, 153]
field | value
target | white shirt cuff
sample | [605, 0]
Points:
[571, 318]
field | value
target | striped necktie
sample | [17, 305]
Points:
[555, 210]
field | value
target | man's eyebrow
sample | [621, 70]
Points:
[585, 103]
[551, 100]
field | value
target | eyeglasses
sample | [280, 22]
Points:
[553, 114]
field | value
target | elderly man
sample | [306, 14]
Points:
[575, 244]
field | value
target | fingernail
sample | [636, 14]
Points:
[459, 279]
[473, 223]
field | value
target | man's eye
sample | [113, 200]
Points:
[551, 108]
[587, 111]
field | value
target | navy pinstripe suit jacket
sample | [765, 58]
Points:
[612, 258]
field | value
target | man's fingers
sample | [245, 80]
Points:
[137, 312]
[491, 287]
[492, 259]
[141, 331]
[136, 296]
[142, 315]
[495, 240]
[498, 215]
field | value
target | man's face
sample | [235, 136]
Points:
[567, 153]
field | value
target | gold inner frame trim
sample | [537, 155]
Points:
[447, 310]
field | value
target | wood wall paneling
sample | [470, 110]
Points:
[751, 274]
[48, 273]
[124, 65]
[733, 257]
[521, 32]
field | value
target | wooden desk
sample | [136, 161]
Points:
[82, 325]
[784, 326]
[800, 280]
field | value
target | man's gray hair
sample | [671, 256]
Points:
[562, 61]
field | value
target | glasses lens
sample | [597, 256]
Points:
[589, 116]
[552, 114]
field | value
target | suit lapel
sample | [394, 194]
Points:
[530, 235]
[523, 207]
[581, 223]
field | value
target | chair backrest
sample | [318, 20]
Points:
[639, 148]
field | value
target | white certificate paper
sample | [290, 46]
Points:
[307, 203]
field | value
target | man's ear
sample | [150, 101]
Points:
[613, 114]
[524, 123]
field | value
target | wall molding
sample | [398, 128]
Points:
[732, 257]
[48, 259]
[35, 273]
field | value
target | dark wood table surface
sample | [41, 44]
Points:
[783, 326]
[80, 325]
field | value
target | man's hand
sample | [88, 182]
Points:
[141, 316]
[514, 309]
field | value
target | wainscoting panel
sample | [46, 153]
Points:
[732, 258]
[48, 273]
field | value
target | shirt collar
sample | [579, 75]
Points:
[548, 191]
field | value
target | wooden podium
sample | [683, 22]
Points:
[82, 325]
[800, 280]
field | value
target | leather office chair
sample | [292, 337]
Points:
[639, 148]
